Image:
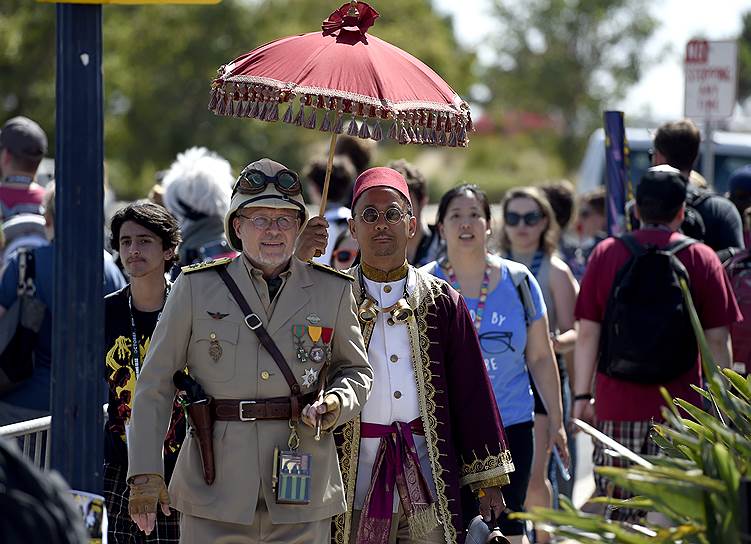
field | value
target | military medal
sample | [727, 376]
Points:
[298, 331]
[317, 354]
[326, 338]
[215, 348]
[310, 377]
[313, 319]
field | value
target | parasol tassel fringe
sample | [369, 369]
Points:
[393, 132]
[231, 108]
[364, 130]
[352, 128]
[425, 135]
[253, 110]
[221, 107]
[404, 136]
[326, 123]
[452, 138]
[441, 137]
[288, 114]
[300, 117]
[214, 99]
[339, 126]
[261, 113]
[463, 136]
[311, 122]
[411, 134]
[272, 113]
[377, 132]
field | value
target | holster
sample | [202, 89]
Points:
[202, 424]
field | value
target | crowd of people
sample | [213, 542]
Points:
[365, 376]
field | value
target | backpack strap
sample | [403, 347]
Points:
[26, 273]
[679, 245]
[520, 278]
[632, 244]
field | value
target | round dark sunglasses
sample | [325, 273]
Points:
[393, 215]
[512, 219]
[252, 182]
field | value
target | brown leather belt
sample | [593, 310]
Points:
[251, 410]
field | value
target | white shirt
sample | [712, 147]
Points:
[394, 395]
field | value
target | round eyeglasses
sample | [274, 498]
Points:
[261, 222]
[393, 215]
[252, 182]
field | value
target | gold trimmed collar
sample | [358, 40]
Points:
[380, 276]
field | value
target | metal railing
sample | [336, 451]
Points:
[33, 439]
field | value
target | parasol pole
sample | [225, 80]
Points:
[329, 165]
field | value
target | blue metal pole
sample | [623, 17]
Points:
[78, 336]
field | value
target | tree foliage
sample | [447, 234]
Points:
[568, 59]
[159, 61]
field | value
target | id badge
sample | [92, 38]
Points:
[292, 472]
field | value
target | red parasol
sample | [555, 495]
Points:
[343, 76]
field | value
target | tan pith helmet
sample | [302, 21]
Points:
[270, 197]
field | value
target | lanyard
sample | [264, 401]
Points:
[536, 263]
[135, 348]
[483, 290]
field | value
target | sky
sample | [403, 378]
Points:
[659, 94]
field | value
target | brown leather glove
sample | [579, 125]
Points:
[146, 491]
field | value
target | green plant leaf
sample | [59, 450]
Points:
[741, 384]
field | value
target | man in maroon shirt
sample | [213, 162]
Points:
[623, 409]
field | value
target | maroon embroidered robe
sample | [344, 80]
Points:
[465, 438]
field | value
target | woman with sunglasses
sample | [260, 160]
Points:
[513, 333]
[529, 235]
[345, 252]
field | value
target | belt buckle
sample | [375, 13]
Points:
[253, 321]
[243, 403]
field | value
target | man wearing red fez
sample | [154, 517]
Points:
[429, 440]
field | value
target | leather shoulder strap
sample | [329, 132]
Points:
[254, 323]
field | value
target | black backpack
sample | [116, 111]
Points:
[693, 224]
[646, 335]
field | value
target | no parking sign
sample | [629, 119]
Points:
[711, 79]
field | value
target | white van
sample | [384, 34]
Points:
[732, 150]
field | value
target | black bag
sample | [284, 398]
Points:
[647, 335]
[36, 506]
[19, 328]
[693, 224]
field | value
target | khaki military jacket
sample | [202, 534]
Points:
[200, 308]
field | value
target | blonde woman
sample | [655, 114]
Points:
[529, 235]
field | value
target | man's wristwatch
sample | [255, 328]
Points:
[583, 396]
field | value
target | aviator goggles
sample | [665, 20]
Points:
[252, 182]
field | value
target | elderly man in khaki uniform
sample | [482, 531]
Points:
[256, 406]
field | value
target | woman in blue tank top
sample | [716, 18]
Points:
[513, 335]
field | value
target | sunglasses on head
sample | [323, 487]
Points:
[393, 215]
[252, 182]
[530, 219]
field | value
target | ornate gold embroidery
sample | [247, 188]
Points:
[348, 463]
[423, 298]
[492, 466]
